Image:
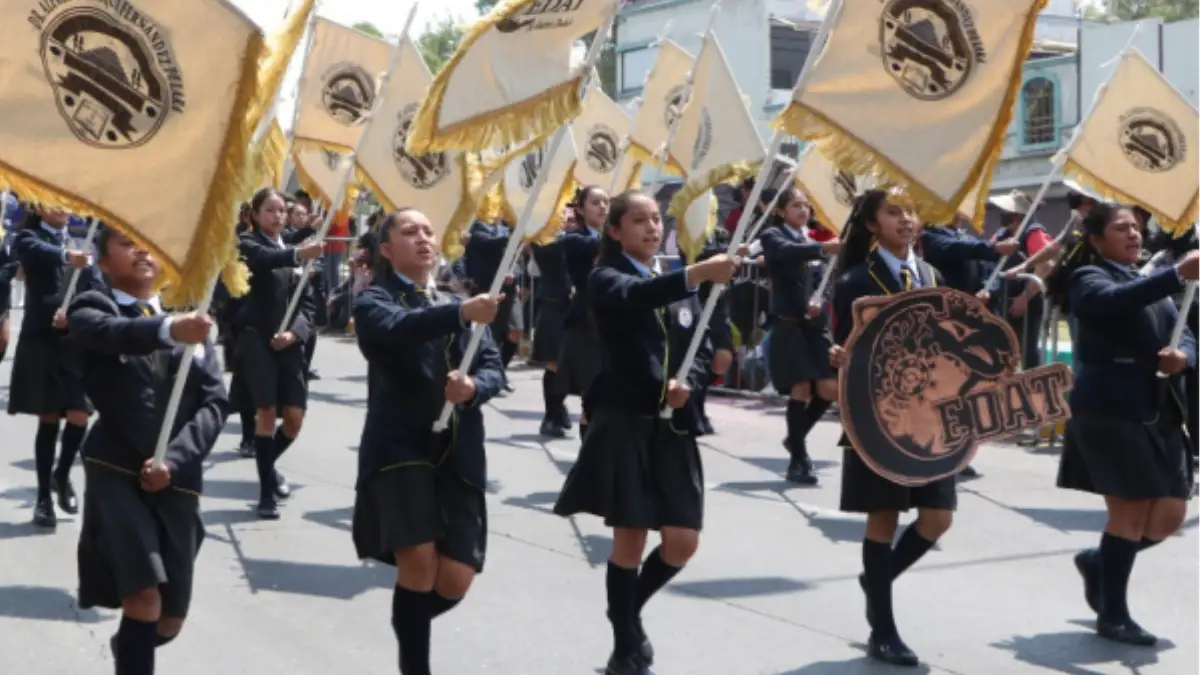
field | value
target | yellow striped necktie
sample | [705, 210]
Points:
[906, 277]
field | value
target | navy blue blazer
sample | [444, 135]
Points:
[40, 255]
[1122, 321]
[580, 248]
[411, 345]
[788, 269]
[483, 254]
[555, 283]
[720, 333]
[869, 278]
[643, 336]
[128, 373]
[273, 280]
[959, 256]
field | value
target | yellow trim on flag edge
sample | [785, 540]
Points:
[532, 117]
[850, 153]
[271, 157]
[645, 156]
[1175, 226]
[692, 190]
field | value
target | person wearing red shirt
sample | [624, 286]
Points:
[1020, 302]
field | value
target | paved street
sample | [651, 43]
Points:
[772, 590]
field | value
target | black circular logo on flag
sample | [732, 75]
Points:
[527, 170]
[929, 46]
[110, 86]
[1151, 141]
[420, 171]
[603, 145]
[845, 186]
[930, 375]
[348, 93]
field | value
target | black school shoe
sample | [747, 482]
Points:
[44, 515]
[1126, 632]
[891, 650]
[628, 664]
[65, 492]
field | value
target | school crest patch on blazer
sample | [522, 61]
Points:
[931, 374]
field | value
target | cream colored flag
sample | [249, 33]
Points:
[435, 184]
[920, 92]
[271, 156]
[320, 171]
[716, 140]
[139, 115]
[696, 224]
[338, 87]
[662, 99]
[1138, 145]
[598, 132]
[511, 79]
[830, 190]
[519, 175]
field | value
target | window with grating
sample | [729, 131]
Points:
[1038, 101]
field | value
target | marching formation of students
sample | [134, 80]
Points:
[612, 327]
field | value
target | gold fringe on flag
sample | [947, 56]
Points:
[692, 190]
[1172, 225]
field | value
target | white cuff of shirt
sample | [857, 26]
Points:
[164, 332]
[755, 248]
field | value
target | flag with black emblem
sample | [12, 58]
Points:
[321, 173]
[435, 183]
[662, 101]
[598, 132]
[547, 216]
[141, 115]
[715, 140]
[510, 79]
[337, 90]
[830, 190]
[918, 92]
[1138, 145]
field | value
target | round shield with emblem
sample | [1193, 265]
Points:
[930, 375]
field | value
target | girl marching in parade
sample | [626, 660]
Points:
[877, 259]
[578, 364]
[1125, 439]
[420, 493]
[798, 356]
[636, 470]
[141, 528]
[45, 372]
[553, 298]
[270, 364]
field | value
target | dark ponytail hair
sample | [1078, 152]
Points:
[856, 238]
[381, 267]
[579, 201]
[1081, 254]
[618, 206]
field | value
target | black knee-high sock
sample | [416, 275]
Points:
[701, 397]
[3, 352]
[264, 459]
[1116, 564]
[43, 456]
[72, 438]
[163, 640]
[622, 586]
[310, 348]
[795, 426]
[813, 414]
[136, 642]
[655, 574]
[440, 604]
[282, 442]
[909, 550]
[1148, 543]
[548, 398]
[248, 424]
[508, 350]
[411, 623]
[877, 570]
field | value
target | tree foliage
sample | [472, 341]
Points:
[368, 28]
[485, 6]
[1134, 10]
[438, 42]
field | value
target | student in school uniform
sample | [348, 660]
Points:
[798, 353]
[483, 254]
[1125, 440]
[45, 372]
[141, 528]
[578, 363]
[420, 493]
[238, 398]
[877, 259]
[270, 363]
[9, 265]
[635, 470]
[553, 296]
[299, 230]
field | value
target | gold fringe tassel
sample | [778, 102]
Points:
[555, 223]
[645, 157]
[693, 190]
[851, 154]
[1174, 225]
[510, 125]
[271, 157]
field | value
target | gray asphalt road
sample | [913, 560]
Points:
[772, 590]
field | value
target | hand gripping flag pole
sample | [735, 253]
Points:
[514, 241]
[93, 225]
[760, 181]
[348, 171]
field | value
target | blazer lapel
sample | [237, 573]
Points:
[878, 270]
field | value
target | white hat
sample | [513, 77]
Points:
[1014, 202]
[1076, 187]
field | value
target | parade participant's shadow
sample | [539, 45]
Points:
[1067, 520]
[339, 582]
[228, 517]
[338, 519]
[1071, 652]
[837, 529]
[527, 439]
[361, 379]
[735, 587]
[540, 502]
[859, 666]
[779, 465]
[25, 464]
[237, 490]
[26, 529]
[526, 415]
[335, 399]
[41, 603]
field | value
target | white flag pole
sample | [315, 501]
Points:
[290, 164]
[348, 172]
[753, 198]
[543, 174]
[93, 225]
[673, 124]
